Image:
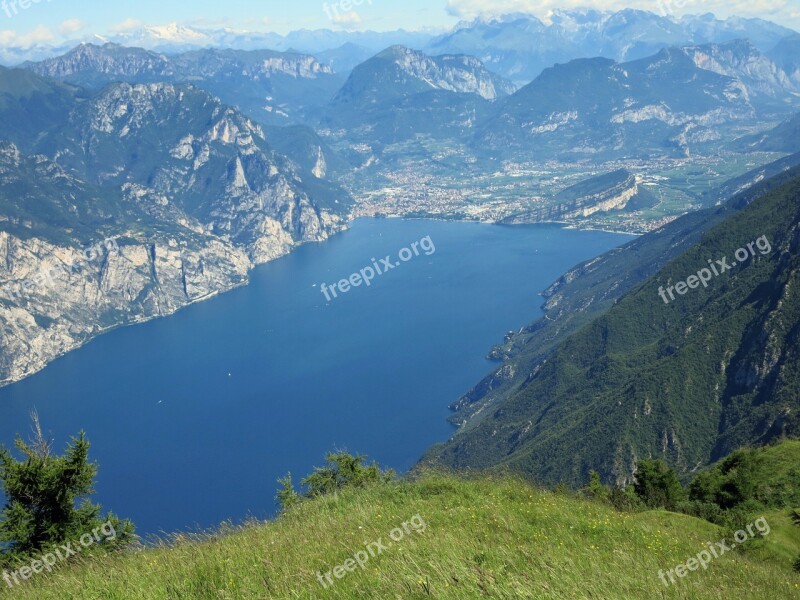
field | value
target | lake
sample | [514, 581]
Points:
[194, 417]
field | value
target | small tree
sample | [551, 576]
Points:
[595, 488]
[657, 485]
[341, 471]
[287, 497]
[47, 497]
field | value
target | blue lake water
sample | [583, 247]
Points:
[192, 418]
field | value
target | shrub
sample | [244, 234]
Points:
[341, 471]
[658, 485]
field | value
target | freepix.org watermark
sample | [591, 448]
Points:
[715, 269]
[366, 275]
[345, 6]
[715, 550]
[12, 7]
[373, 549]
[47, 562]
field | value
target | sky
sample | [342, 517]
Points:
[28, 22]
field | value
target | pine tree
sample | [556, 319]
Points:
[287, 497]
[595, 488]
[47, 498]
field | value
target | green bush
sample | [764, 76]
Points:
[658, 486]
[342, 470]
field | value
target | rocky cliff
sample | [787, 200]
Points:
[141, 200]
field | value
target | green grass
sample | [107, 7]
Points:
[489, 537]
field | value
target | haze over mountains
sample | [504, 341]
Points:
[239, 155]
[515, 46]
[590, 105]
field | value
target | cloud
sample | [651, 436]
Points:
[780, 11]
[38, 35]
[349, 19]
[7, 36]
[71, 26]
[126, 26]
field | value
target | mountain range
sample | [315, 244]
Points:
[520, 46]
[588, 107]
[277, 88]
[596, 105]
[516, 46]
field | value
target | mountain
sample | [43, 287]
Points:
[659, 105]
[400, 72]
[634, 377]
[520, 46]
[741, 60]
[785, 137]
[31, 105]
[591, 288]
[345, 58]
[516, 46]
[787, 56]
[403, 93]
[174, 38]
[276, 88]
[195, 195]
[706, 29]
[92, 66]
[617, 190]
[50, 221]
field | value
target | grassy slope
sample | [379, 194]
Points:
[773, 470]
[496, 538]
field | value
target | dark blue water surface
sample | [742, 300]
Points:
[192, 418]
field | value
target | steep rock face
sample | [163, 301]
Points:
[741, 60]
[189, 190]
[206, 159]
[600, 194]
[127, 285]
[402, 72]
[277, 88]
[293, 65]
[463, 74]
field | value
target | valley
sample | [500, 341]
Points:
[526, 192]
[559, 390]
